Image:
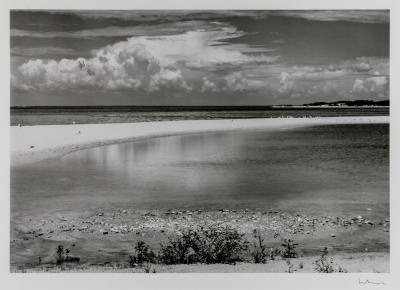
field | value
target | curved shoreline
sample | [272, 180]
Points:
[35, 143]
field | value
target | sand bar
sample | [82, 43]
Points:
[33, 143]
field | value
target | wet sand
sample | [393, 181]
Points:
[106, 237]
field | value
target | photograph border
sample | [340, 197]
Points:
[215, 280]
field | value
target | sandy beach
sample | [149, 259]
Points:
[32, 143]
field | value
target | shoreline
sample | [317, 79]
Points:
[34, 143]
[105, 237]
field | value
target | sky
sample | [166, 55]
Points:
[193, 57]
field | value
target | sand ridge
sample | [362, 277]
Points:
[33, 143]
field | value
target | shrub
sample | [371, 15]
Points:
[274, 252]
[290, 266]
[259, 252]
[62, 256]
[324, 264]
[220, 244]
[149, 269]
[143, 253]
[180, 250]
[289, 249]
[206, 244]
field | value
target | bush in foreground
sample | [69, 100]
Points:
[289, 249]
[325, 264]
[260, 251]
[143, 253]
[209, 244]
[62, 256]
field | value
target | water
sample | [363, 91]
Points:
[335, 169]
[102, 115]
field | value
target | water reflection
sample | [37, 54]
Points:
[319, 169]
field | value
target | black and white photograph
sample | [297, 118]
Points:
[153, 141]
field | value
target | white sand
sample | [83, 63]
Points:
[33, 143]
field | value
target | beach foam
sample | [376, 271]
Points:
[34, 143]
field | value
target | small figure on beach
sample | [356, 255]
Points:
[81, 64]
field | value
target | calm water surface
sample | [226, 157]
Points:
[336, 169]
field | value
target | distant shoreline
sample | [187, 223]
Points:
[36, 116]
[190, 108]
[34, 143]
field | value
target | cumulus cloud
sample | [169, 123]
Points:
[145, 63]
[288, 80]
[376, 86]
[366, 65]
[286, 83]
[119, 67]
[208, 85]
[331, 81]
[359, 77]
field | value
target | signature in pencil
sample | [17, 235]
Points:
[366, 282]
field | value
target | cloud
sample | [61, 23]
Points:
[373, 86]
[362, 77]
[148, 63]
[315, 73]
[237, 81]
[363, 16]
[163, 15]
[130, 67]
[289, 80]
[43, 51]
[331, 81]
[121, 31]
[208, 85]
[286, 83]
[367, 65]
